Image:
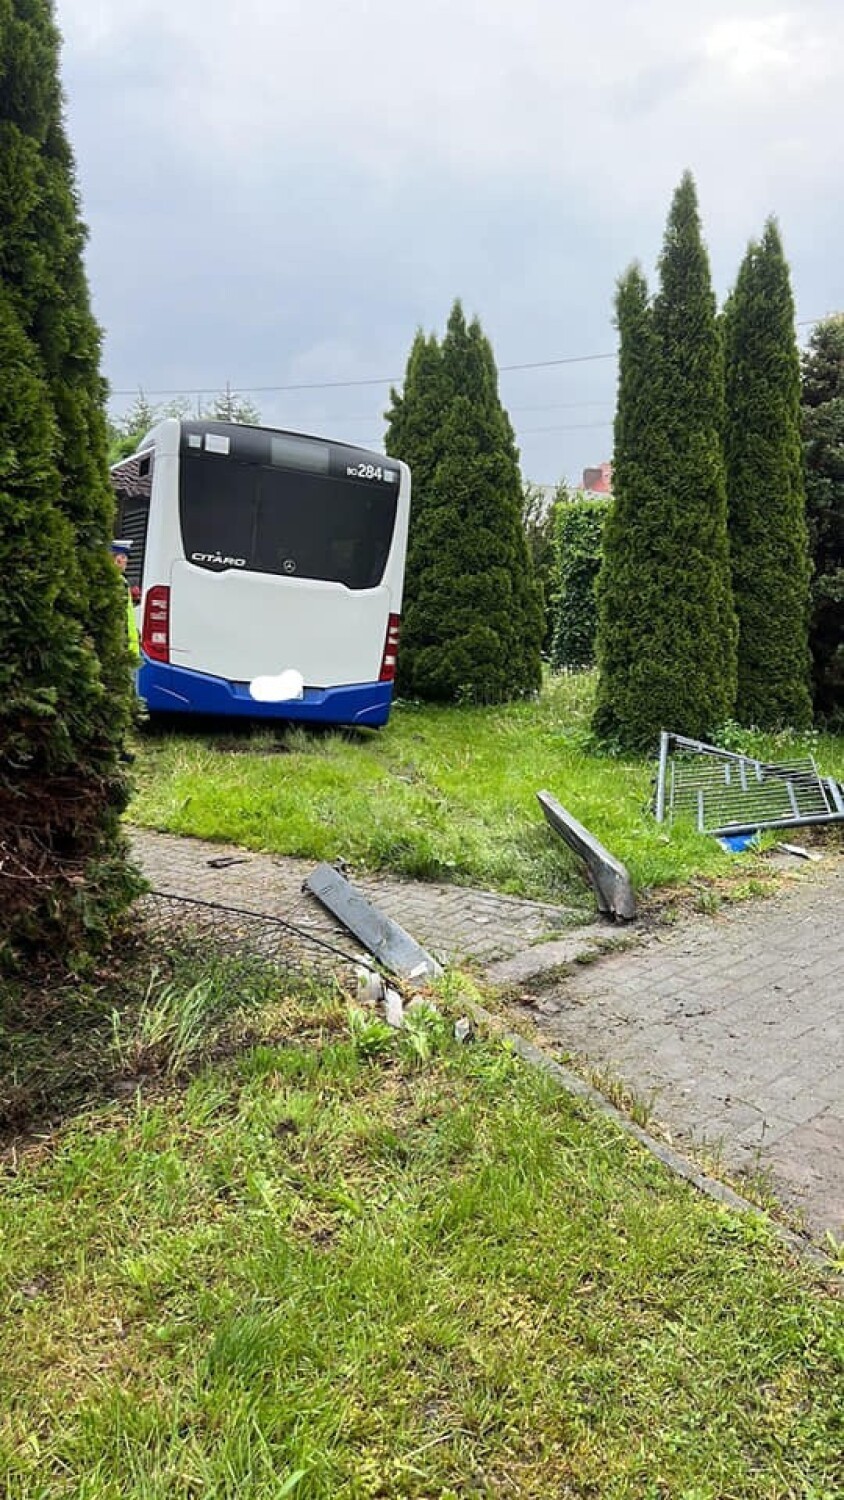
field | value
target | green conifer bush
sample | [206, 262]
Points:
[65, 705]
[473, 622]
[823, 450]
[666, 623]
[767, 507]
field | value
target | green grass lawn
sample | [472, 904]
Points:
[440, 793]
[312, 1258]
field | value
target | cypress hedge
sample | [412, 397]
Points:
[578, 535]
[823, 452]
[767, 509]
[64, 716]
[414, 424]
[472, 622]
[667, 628]
[632, 536]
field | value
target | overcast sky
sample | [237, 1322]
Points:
[279, 192]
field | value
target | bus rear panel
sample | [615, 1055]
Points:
[258, 554]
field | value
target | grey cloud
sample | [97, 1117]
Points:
[282, 192]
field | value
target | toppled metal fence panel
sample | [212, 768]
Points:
[608, 877]
[385, 939]
[725, 793]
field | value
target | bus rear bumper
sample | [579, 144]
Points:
[175, 690]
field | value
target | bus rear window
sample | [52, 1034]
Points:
[274, 520]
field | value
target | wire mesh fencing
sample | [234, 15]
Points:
[314, 952]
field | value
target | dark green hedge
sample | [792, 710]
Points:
[472, 619]
[823, 451]
[666, 625]
[579, 527]
[64, 667]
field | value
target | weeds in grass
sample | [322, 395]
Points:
[757, 1185]
[79, 1042]
[171, 1030]
[455, 987]
[639, 1107]
[708, 902]
[424, 1033]
[321, 1273]
[776, 744]
[370, 1035]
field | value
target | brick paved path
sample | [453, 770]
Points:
[735, 1026]
[456, 924]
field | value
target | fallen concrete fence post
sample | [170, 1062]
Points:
[385, 939]
[608, 877]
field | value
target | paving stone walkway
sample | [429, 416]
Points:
[732, 1026]
[458, 925]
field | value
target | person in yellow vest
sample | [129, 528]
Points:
[120, 549]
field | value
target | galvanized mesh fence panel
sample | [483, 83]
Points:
[746, 791]
[725, 792]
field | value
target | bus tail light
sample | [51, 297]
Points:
[155, 633]
[391, 646]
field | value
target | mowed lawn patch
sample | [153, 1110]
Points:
[440, 793]
[346, 1263]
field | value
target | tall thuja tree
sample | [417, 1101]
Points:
[635, 570]
[699, 669]
[767, 507]
[667, 629]
[60, 798]
[414, 429]
[823, 439]
[474, 628]
[415, 414]
[505, 518]
[42, 267]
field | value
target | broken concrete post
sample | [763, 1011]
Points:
[608, 877]
[394, 948]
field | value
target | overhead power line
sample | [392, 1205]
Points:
[338, 385]
[572, 427]
[555, 406]
[335, 385]
[376, 438]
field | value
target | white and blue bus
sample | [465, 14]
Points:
[259, 554]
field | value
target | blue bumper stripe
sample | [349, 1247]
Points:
[175, 690]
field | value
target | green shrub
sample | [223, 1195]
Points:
[472, 620]
[767, 505]
[666, 623]
[823, 451]
[578, 534]
[64, 705]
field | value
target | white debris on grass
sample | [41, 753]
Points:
[393, 1008]
[370, 987]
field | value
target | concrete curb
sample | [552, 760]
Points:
[581, 945]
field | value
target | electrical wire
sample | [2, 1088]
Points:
[572, 427]
[336, 385]
[555, 406]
